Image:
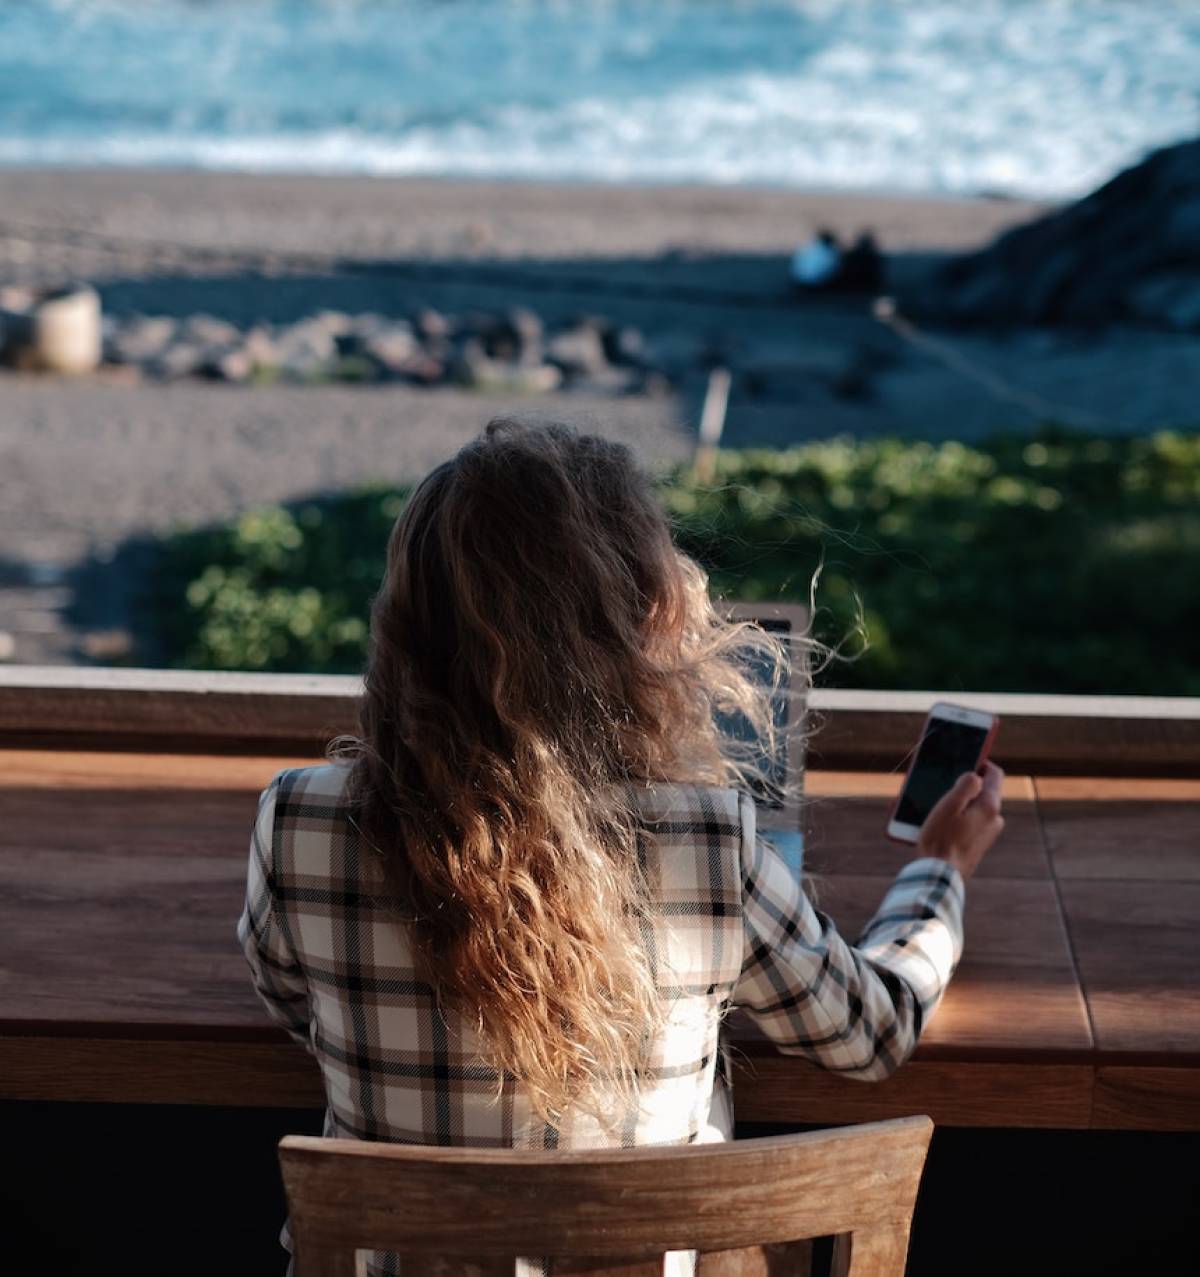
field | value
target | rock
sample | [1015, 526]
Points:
[333, 322]
[370, 322]
[1109, 256]
[205, 330]
[180, 359]
[578, 351]
[392, 347]
[306, 350]
[235, 365]
[318, 330]
[387, 348]
[141, 338]
[473, 369]
[261, 346]
[432, 324]
[307, 361]
[424, 369]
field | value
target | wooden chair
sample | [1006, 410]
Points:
[470, 1210]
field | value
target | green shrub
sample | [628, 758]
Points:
[1062, 563]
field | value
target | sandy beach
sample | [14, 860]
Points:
[370, 217]
[86, 464]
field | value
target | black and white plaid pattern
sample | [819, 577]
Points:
[731, 927]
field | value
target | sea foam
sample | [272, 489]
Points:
[1040, 98]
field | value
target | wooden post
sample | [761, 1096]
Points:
[57, 331]
[712, 425]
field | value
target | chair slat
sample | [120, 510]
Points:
[618, 1210]
[871, 1252]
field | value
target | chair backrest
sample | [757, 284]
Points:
[471, 1210]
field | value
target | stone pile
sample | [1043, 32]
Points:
[510, 351]
[1129, 251]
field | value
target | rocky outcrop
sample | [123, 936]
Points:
[1130, 250]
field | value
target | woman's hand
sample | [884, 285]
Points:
[965, 823]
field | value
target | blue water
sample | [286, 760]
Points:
[1024, 97]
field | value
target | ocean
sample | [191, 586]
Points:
[1030, 98]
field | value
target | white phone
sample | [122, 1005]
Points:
[955, 740]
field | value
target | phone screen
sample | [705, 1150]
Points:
[946, 751]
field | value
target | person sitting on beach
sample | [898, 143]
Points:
[824, 265]
[816, 263]
[861, 269]
[516, 909]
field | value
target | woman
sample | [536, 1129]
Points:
[516, 909]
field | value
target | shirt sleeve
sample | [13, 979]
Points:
[277, 976]
[859, 1009]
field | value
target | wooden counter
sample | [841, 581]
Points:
[1076, 1004]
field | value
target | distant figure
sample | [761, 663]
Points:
[861, 267]
[817, 263]
[823, 264]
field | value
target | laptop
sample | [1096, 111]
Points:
[778, 802]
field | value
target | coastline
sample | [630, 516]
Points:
[90, 463]
[365, 216]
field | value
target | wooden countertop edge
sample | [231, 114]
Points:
[1069, 1095]
[52, 707]
[744, 1047]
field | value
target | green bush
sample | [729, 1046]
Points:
[1062, 563]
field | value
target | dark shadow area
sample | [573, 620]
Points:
[106, 592]
[145, 1190]
[92, 1189]
[1003, 1203]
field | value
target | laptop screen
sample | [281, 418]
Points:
[775, 796]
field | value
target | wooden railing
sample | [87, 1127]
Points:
[69, 707]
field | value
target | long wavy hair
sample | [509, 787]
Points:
[539, 651]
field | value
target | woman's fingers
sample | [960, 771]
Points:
[991, 788]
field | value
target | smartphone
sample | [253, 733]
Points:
[954, 740]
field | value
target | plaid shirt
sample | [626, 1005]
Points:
[732, 927]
